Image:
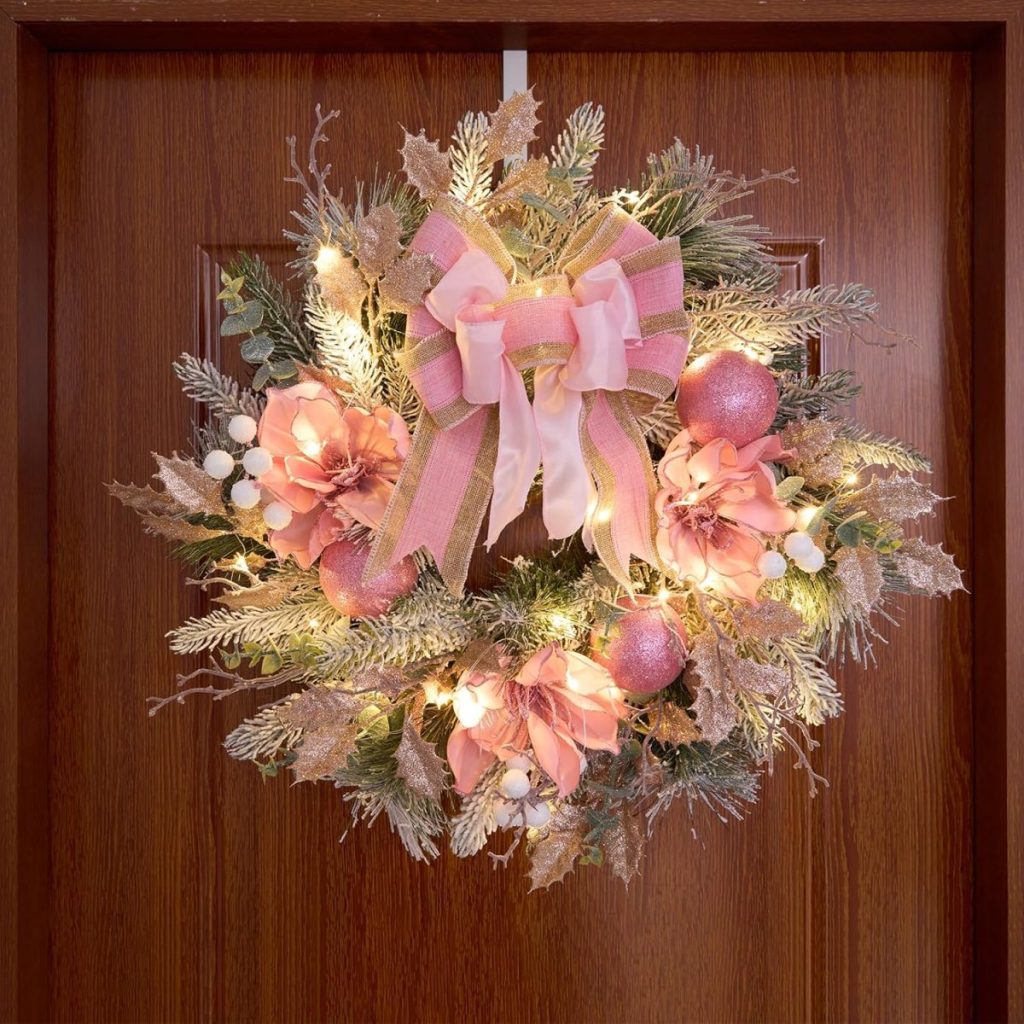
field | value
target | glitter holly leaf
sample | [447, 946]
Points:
[145, 500]
[378, 240]
[859, 571]
[189, 485]
[179, 530]
[723, 675]
[895, 498]
[554, 855]
[428, 169]
[770, 620]
[527, 178]
[418, 764]
[927, 568]
[342, 286]
[672, 726]
[407, 281]
[512, 125]
[624, 847]
[327, 718]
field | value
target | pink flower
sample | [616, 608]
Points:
[559, 702]
[332, 464]
[714, 507]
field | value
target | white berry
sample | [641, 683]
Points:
[506, 814]
[277, 515]
[257, 461]
[515, 784]
[242, 429]
[813, 562]
[798, 544]
[539, 816]
[245, 494]
[520, 761]
[218, 464]
[771, 565]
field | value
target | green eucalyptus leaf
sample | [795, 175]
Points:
[530, 199]
[282, 369]
[261, 377]
[246, 318]
[257, 349]
[789, 488]
[516, 242]
[271, 663]
[848, 534]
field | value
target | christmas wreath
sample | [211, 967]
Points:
[615, 371]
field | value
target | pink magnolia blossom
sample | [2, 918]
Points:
[559, 703]
[332, 464]
[714, 508]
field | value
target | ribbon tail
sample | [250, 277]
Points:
[556, 410]
[623, 522]
[518, 455]
[441, 496]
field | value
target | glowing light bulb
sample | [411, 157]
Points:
[805, 515]
[561, 623]
[538, 291]
[327, 259]
[468, 710]
[241, 565]
[311, 448]
[852, 479]
[663, 595]
[313, 623]
[603, 515]
[689, 497]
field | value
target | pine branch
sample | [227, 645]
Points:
[346, 350]
[859, 447]
[578, 146]
[263, 736]
[372, 771]
[721, 778]
[428, 623]
[282, 314]
[813, 396]
[224, 627]
[471, 166]
[473, 824]
[204, 383]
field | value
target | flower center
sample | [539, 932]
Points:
[702, 517]
[521, 700]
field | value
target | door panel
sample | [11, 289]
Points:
[185, 888]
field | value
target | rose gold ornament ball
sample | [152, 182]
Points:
[726, 394]
[644, 649]
[341, 577]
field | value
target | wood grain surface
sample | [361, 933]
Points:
[184, 888]
[888, 931]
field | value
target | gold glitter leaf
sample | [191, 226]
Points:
[378, 240]
[808, 440]
[145, 500]
[528, 177]
[672, 726]
[343, 287]
[179, 530]
[716, 715]
[323, 751]
[624, 847]
[406, 282]
[428, 169]
[512, 125]
[770, 620]
[927, 568]
[326, 718]
[418, 764]
[554, 855]
[189, 485]
[895, 498]
[861, 576]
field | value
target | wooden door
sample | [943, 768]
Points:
[183, 887]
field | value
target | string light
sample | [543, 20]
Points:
[663, 595]
[327, 259]
[468, 710]
[241, 565]
[560, 622]
[805, 515]
[852, 480]
[313, 623]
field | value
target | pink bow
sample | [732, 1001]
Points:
[607, 323]
[463, 301]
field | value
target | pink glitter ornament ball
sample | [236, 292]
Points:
[341, 577]
[644, 649]
[726, 394]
